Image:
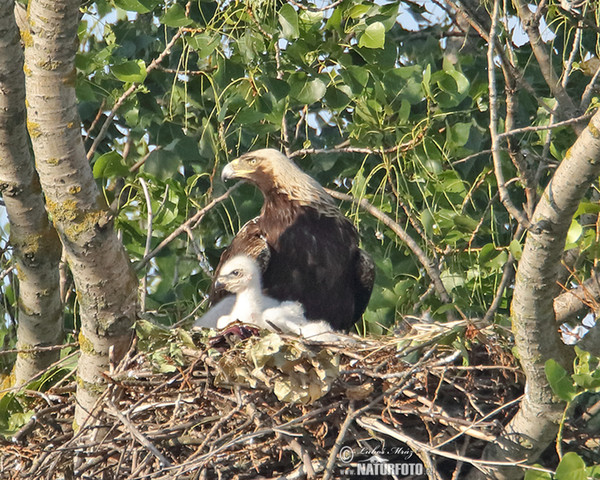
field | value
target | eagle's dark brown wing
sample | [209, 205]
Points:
[249, 241]
[364, 278]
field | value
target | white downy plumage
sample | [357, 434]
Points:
[241, 276]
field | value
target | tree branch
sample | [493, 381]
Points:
[530, 24]
[36, 246]
[502, 190]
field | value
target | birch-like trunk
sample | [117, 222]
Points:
[537, 339]
[105, 283]
[36, 248]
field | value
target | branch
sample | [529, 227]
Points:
[577, 301]
[530, 24]
[571, 121]
[135, 433]
[343, 148]
[502, 190]
[430, 268]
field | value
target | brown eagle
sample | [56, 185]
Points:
[306, 248]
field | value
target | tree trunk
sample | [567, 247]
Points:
[105, 283]
[36, 246]
[536, 334]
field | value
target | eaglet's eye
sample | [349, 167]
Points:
[236, 273]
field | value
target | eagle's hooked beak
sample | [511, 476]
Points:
[228, 172]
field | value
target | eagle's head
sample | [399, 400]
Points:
[238, 274]
[272, 172]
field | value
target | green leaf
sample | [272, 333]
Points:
[574, 233]
[571, 467]
[109, 165]
[204, 44]
[139, 6]
[338, 98]
[288, 19]
[373, 36]
[516, 249]
[162, 164]
[175, 17]
[587, 381]
[305, 89]
[593, 471]
[535, 475]
[358, 11]
[133, 71]
[560, 381]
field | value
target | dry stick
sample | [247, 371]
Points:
[49, 348]
[339, 440]
[192, 220]
[493, 93]
[377, 425]
[127, 93]
[347, 149]
[430, 268]
[138, 435]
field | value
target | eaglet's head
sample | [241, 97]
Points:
[271, 171]
[238, 274]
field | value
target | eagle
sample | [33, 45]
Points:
[306, 249]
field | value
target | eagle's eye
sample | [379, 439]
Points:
[252, 161]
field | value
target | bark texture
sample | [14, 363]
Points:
[105, 283]
[36, 248]
[534, 324]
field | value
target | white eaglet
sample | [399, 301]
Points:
[241, 276]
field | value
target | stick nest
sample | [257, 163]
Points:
[188, 405]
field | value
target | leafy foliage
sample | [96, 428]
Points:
[255, 74]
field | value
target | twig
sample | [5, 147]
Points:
[493, 93]
[530, 24]
[316, 9]
[339, 441]
[164, 462]
[430, 268]
[402, 147]
[30, 350]
[377, 425]
[182, 228]
[571, 121]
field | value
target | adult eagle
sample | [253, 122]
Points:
[306, 248]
